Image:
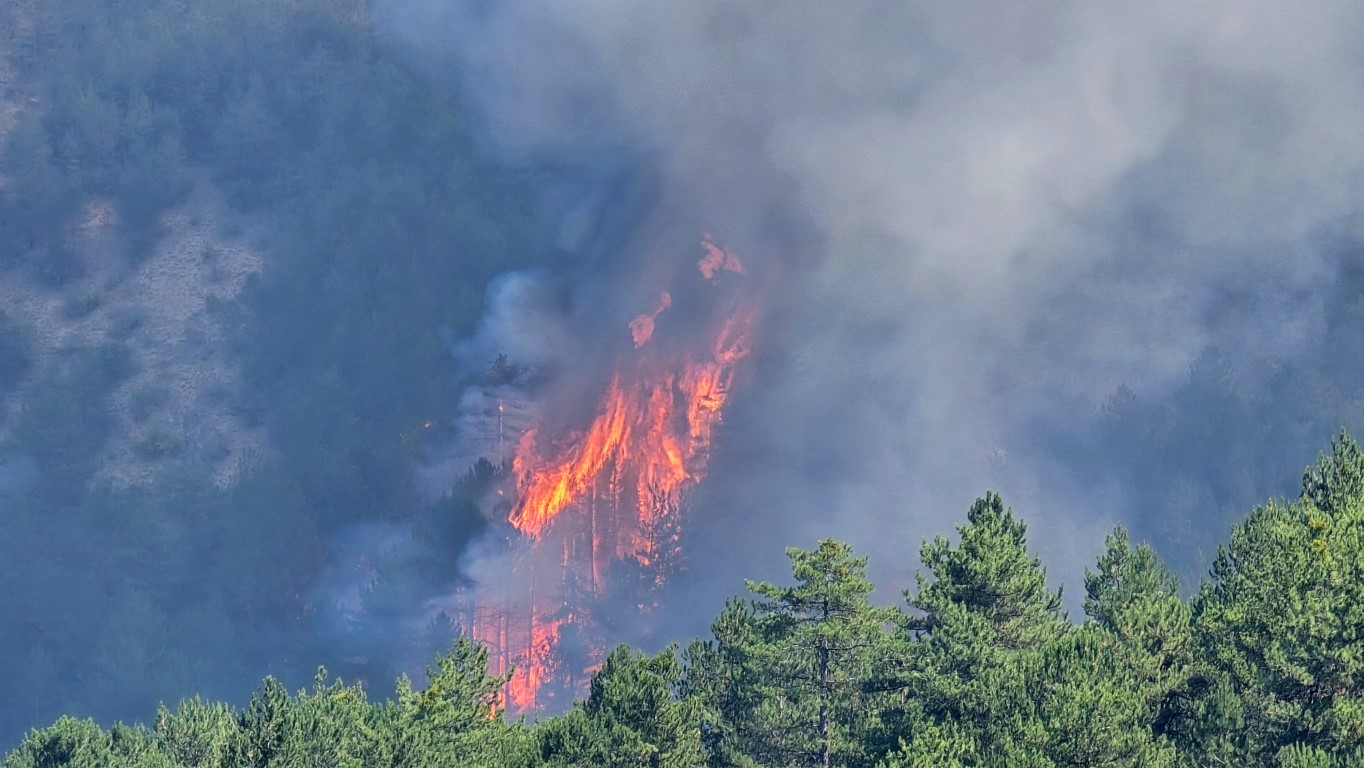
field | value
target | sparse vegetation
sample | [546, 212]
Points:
[16, 352]
[158, 443]
[81, 306]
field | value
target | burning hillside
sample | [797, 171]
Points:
[601, 501]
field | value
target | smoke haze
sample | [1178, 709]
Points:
[257, 266]
[985, 218]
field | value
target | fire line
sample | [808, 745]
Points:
[611, 492]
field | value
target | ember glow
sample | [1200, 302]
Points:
[717, 259]
[653, 425]
[642, 327]
[612, 489]
[650, 437]
[522, 640]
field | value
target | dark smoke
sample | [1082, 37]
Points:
[995, 231]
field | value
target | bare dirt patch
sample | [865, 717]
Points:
[174, 311]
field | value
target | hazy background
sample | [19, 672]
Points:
[1103, 258]
[1097, 256]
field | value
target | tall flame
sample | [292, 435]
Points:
[522, 645]
[612, 490]
[653, 424]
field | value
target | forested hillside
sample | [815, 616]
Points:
[978, 666]
[169, 481]
[241, 242]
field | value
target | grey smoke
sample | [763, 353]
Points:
[981, 216]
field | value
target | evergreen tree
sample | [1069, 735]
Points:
[456, 717]
[1283, 615]
[1265, 669]
[991, 574]
[1299, 756]
[1336, 483]
[1135, 597]
[197, 733]
[941, 745]
[987, 600]
[1083, 701]
[722, 677]
[633, 718]
[814, 645]
[72, 743]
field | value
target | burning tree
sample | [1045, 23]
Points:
[611, 493]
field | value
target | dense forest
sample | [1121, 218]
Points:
[364, 177]
[979, 667]
[168, 534]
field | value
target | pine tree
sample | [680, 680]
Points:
[986, 601]
[457, 717]
[800, 658]
[1283, 615]
[72, 743]
[991, 574]
[1336, 482]
[633, 718]
[1135, 597]
[1084, 702]
[723, 677]
[1298, 756]
[942, 745]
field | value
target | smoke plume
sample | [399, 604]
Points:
[975, 221]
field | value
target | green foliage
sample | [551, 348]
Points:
[453, 722]
[987, 602]
[71, 743]
[1299, 756]
[1283, 613]
[936, 744]
[457, 716]
[1088, 704]
[1336, 483]
[1133, 596]
[995, 675]
[632, 718]
[991, 575]
[327, 726]
[791, 671]
[1263, 668]
[725, 676]
[198, 733]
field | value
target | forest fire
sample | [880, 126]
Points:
[653, 425]
[526, 680]
[612, 491]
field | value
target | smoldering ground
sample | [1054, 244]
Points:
[987, 219]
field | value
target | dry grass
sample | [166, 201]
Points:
[171, 310]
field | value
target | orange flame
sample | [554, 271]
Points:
[642, 327]
[653, 427]
[524, 646]
[527, 677]
[621, 476]
[546, 489]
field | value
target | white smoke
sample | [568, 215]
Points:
[1010, 206]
